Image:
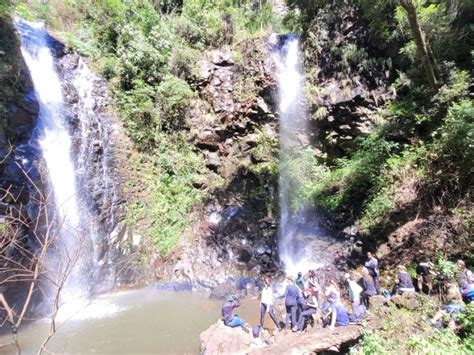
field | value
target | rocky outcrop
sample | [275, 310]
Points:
[98, 140]
[348, 83]
[233, 124]
[220, 339]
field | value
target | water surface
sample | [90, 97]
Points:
[136, 321]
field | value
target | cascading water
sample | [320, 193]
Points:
[298, 228]
[70, 162]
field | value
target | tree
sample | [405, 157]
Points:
[420, 42]
[25, 268]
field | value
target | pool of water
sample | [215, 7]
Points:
[134, 321]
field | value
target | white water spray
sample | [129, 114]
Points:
[73, 230]
[298, 229]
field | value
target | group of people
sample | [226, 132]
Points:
[303, 296]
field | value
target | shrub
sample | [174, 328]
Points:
[182, 62]
[173, 96]
[138, 58]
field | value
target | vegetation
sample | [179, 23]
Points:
[409, 332]
[423, 139]
[148, 50]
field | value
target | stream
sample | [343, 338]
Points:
[134, 321]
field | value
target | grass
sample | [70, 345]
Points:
[409, 332]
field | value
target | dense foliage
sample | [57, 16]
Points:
[148, 50]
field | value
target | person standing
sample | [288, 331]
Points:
[355, 291]
[300, 282]
[292, 296]
[369, 287]
[313, 284]
[372, 264]
[424, 275]
[464, 275]
[266, 303]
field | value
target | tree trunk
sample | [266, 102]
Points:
[420, 42]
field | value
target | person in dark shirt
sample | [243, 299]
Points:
[372, 264]
[228, 316]
[424, 275]
[369, 287]
[403, 282]
[309, 308]
[292, 295]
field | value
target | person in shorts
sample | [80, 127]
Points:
[424, 275]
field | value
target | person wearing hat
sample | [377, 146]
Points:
[334, 313]
[228, 316]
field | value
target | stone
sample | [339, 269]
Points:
[406, 300]
[377, 302]
[220, 339]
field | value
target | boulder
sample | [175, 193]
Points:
[220, 339]
[376, 302]
[406, 300]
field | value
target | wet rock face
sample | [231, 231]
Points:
[19, 111]
[233, 124]
[96, 140]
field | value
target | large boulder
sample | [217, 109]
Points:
[220, 339]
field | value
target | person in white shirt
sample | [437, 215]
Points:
[355, 290]
[266, 303]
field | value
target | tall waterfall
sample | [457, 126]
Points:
[298, 228]
[69, 167]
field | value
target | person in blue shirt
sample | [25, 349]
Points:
[334, 313]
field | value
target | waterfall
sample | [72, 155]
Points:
[298, 228]
[68, 143]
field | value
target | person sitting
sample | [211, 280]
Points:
[257, 341]
[266, 303]
[228, 316]
[292, 295]
[300, 282]
[467, 293]
[452, 299]
[369, 287]
[355, 290]
[334, 313]
[403, 282]
[372, 265]
[309, 308]
[424, 272]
